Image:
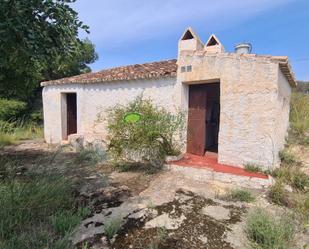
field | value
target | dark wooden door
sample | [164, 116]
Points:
[71, 113]
[196, 133]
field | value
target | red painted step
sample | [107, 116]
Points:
[210, 162]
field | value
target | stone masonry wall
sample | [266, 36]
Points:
[249, 116]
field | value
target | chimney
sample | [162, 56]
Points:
[189, 41]
[213, 45]
[243, 48]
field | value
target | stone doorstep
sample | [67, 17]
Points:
[207, 174]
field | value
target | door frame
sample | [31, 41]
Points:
[208, 82]
[64, 114]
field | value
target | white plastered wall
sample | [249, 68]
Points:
[93, 101]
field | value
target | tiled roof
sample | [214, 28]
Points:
[158, 69]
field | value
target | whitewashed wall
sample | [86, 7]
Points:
[93, 99]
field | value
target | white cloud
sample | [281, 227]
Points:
[121, 21]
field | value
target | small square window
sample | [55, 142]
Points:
[189, 68]
[183, 69]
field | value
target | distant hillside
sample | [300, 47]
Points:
[303, 86]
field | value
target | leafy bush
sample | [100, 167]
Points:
[149, 140]
[6, 127]
[240, 195]
[11, 109]
[266, 232]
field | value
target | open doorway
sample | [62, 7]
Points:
[203, 118]
[71, 113]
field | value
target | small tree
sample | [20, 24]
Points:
[148, 140]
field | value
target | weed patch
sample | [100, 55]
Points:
[37, 210]
[299, 115]
[286, 157]
[277, 194]
[252, 167]
[266, 232]
[240, 195]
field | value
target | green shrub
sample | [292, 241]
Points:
[11, 109]
[37, 117]
[277, 194]
[299, 115]
[6, 127]
[240, 195]
[266, 232]
[112, 226]
[149, 140]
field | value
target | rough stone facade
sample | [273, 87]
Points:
[254, 104]
[254, 100]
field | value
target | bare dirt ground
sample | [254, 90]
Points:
[162, 210]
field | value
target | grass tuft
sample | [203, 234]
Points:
[277, 194]
[65, 221]
[286, 157]
[112, 226]
[266, 232]
[252, 167]
[240, 195]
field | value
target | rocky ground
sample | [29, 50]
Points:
[140, 211]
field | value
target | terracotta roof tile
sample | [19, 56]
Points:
[158, 69]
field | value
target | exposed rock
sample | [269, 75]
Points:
[288, 188]
[217, 212]
[77, 141]
[104, 197]
[92, 228]
[164, 220]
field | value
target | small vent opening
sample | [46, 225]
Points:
[212, 42]
[187, 36]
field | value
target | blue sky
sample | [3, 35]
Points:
[137, 31]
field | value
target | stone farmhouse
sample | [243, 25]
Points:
[236, 104]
